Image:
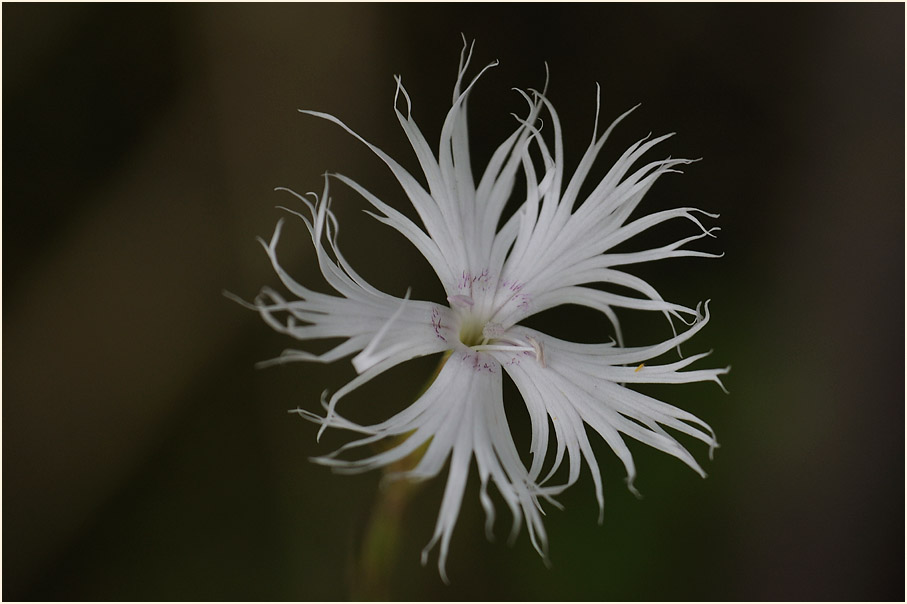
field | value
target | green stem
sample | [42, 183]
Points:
[381, 542]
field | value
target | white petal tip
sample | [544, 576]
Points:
[632, 488]
[712, 448]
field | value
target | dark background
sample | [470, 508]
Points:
[145, 458]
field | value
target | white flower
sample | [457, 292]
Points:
[546, 254]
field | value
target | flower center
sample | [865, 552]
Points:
[486, 336]
[471, 331]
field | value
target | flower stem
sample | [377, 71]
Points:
[381, 543]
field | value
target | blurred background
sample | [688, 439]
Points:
[145, 458]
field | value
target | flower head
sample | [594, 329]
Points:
[496, 273]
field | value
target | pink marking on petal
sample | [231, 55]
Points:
[436, 323]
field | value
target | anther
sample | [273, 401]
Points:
[461, 301]
[539, 351]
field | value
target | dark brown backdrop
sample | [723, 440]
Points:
[144, 457]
